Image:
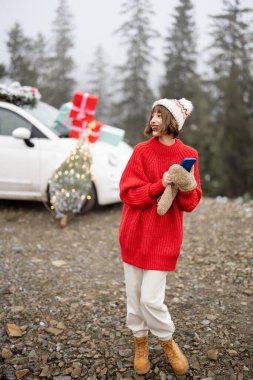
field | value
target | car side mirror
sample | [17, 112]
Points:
[21, 133]
[24, 134]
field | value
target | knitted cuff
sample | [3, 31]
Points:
[156, 189]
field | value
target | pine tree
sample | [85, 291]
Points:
[180, 54]
[181, 79]
[60, 82]
[40, 61]
[3, 71]
[135, 94]
[20, 67]
[98, 84]
[231, 61]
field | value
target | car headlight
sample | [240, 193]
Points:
[113, 159]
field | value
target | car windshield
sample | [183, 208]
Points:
[45, 113]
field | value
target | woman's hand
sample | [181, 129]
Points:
[166, 179]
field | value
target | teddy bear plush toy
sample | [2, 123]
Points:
[182, 180]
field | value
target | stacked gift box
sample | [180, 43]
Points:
[62, 123]
[111, 135]
[76, 117]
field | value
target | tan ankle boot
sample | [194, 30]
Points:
[141, 362]
[175, 356]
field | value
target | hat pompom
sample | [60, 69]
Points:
[187, 105]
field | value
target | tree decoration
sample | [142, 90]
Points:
[71, 183]
[19, 95]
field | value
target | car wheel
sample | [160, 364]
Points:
[48, 196]
[90, 204]
[47, 203]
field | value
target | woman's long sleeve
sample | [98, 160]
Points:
[135, 189]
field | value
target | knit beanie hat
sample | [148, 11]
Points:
[180, 109]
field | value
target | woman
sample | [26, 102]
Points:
[150, 243]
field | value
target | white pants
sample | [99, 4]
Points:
[145, 291]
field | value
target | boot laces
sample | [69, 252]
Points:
[141, 349]
[173, 354]
[171, 351]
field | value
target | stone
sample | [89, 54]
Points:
[162, 375]
[194, 363]
[33, 357]
[76, 373]
[21, 373]
[205, 322]
[212, 354]
[17, 309]
[13, 330]
[53, 331]
[58, 263]
[44, 358]
[211, 317]
[61, 326]
[232, 352]
[68, 371]
[19, 346]
[103, 372]
[175, 300]
[45, 371]
[156, 370]
[6, 353]
[125, 353]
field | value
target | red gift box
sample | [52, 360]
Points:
[93, 130]
[84, 105]
[80, 126]
[77, 128]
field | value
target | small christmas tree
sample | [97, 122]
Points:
[71, 182]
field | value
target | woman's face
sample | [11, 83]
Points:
[156, 123]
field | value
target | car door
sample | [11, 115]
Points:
[19, 163]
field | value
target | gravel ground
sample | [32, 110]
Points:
[62, 296]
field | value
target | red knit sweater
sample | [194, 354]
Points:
[148, 240]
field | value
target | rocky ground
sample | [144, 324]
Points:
[62, 297]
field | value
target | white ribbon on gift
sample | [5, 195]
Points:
[94, 134]
[77, 128]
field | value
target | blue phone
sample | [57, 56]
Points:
[187, 163]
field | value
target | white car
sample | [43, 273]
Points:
[30, 152]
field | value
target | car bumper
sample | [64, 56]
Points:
[108, 192]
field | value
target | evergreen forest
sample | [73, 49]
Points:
[221, 126]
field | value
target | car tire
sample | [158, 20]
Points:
[89, 205]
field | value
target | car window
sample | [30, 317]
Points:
[10, 121]
[37, 133]
[45, 113]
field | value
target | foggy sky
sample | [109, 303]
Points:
[95, 21]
